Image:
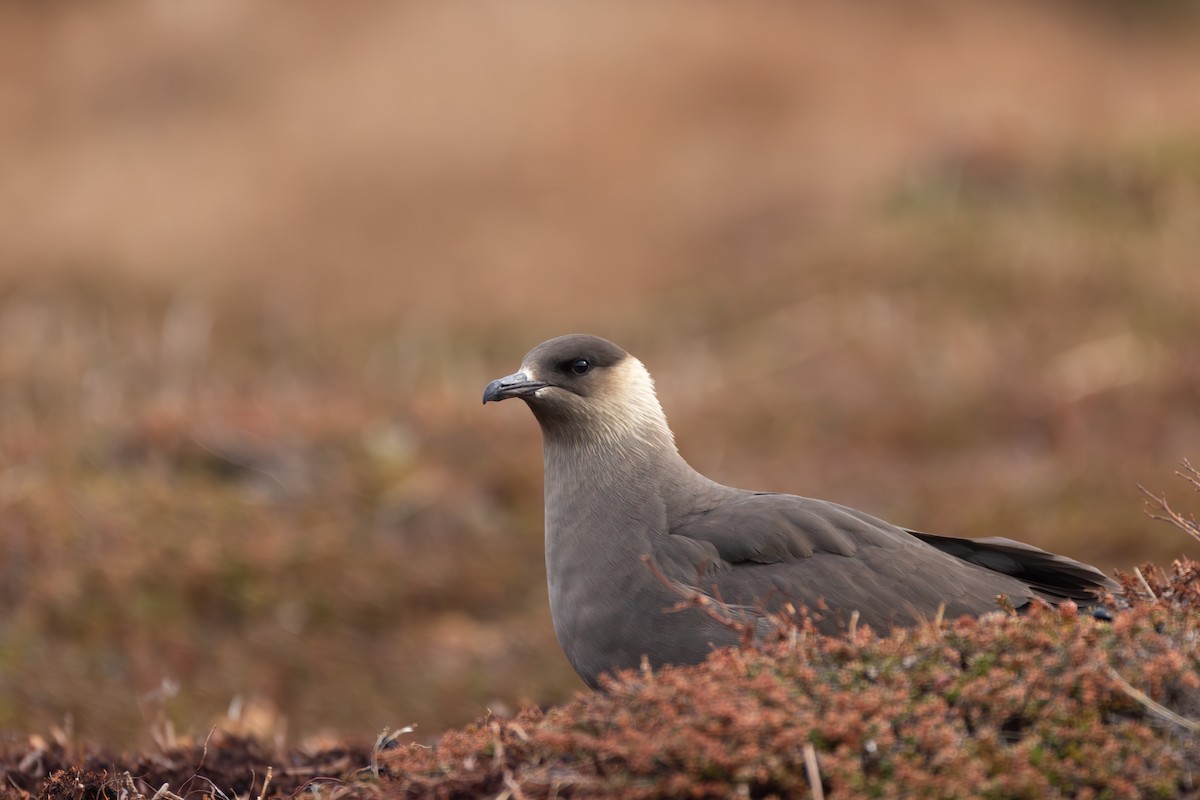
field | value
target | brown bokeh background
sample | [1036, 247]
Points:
[937, 260]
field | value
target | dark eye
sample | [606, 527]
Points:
[580, 366]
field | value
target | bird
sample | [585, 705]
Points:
[631, 527]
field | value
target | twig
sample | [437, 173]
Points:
[32, 758]
[204, 752]
[512, 785]
[266, 783]
[1151, 704]
[813, 771]
[1188, 526]
[694, 598]
[520, 732]
[498, 740]
[644, 667]
[214, 790]
[1190, 474]
[129, 788]
[1145, 584]
[164, 792]
[386, 740]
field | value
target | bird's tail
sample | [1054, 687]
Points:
[1054, 578]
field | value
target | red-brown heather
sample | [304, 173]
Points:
[934, 260]
[1051, 704]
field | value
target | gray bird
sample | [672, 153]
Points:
[619, 497]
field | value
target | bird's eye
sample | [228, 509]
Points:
[580, 366]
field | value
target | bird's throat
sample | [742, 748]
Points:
[617, 486]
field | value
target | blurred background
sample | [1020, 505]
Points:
[936, 260]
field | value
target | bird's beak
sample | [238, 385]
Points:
[516, 385]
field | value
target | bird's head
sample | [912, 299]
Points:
[587, 389]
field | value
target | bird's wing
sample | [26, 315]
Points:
[1055, 578]
[768, 549]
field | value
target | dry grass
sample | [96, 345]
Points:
[257, 265]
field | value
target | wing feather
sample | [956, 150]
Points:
[1055, 578]
[764, 549]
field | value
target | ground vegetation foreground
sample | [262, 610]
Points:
[1055, 703]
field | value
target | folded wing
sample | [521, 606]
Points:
[763, 550]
